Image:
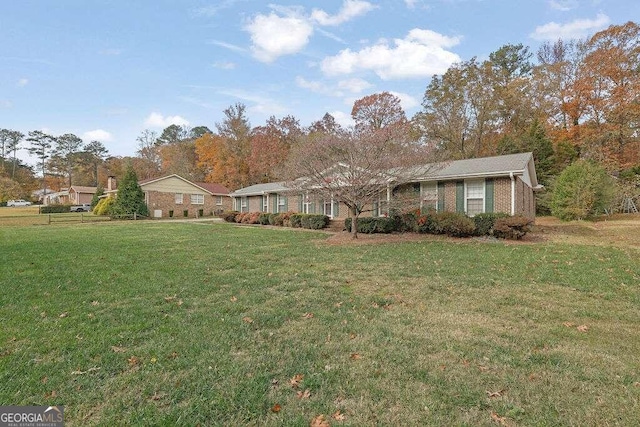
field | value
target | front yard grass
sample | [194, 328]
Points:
[193, 323]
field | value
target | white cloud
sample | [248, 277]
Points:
[229, 46]
[5, 103]
[576, 29]
[342, 118]
[97, 135]
[563, 5]
[407, 101]
[410, 3]
[259, 104]
[160, 121]
[273, 36]
[318, 87]
[224, 65]
[23, 82]
[422, 53]
[354, 85]
[350, 9]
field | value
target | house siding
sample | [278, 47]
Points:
[525, 200]
[502, 195]
[166, 202]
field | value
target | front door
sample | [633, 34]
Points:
[327, 209]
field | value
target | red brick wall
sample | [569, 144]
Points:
[502, 195]
[525, 200]
[166, 202]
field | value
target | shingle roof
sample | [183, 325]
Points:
[212, 187]
[259, 189]
[82, 189]
[474, 167]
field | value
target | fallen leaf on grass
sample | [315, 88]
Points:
[62, 315]
[352, 336]
[498, 419]
[247, 319]
[319, 421]
[117, 349]
[133, 361]
[483, 368]
[569, 324]
[169, 299]
[79, 372]
[338, 304]
[179, 303]
[173, 355]
[355, 356]
[274, 383]
[276, 408]
[157, 396]
[442, 367]
[296, 380]
[303, 394]
[498, 393]
[308, 315]
[233, 299]
[338, 416]
[94, 303]
[637, 384]
[50, 394]
[582, 328]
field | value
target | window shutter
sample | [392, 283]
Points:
[300, 203]
[286, 203]
[488, 197]
[440, 207]
[336, 209]
[275, 203]
[376, 210]
[460, 196]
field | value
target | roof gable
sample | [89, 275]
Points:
[176, 183]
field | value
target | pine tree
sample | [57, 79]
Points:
[130, 199]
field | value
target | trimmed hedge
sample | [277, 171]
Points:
[485, 222]
[513, 227]
[55, 209]
[370, 225]
[284, 219]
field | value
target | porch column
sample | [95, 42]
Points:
[388, 200]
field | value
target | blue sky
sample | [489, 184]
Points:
[108, 69]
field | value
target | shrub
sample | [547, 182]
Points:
[370, 225]
[513, 227]
[272, 219]
[296, 220]
[428, 223]
[485, 221]
[317, 221]
[229, 216]
[455, 224]
[55, 209]
[263, 218]
[104, 206]
[286, 218]
[583, 190]
[278, 219]
[130, 198]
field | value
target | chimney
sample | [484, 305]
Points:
[111, 183]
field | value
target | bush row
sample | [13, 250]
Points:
[449, 223]
[55, 209]
[284, 219]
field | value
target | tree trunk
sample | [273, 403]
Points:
[354, 223]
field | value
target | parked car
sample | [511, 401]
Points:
[18, 202]
[81, 208]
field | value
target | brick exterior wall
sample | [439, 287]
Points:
[525, 200]
[502, 195]
[450, 196]
[167, 202]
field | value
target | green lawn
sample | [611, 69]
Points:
[158, 323]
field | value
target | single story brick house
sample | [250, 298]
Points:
[489, 184]
[176, 196]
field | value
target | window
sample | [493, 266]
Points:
[218, 200]
[197, 199]
[307, 204]
[265, 203]
[282, 203]
[243, 204]
[474, 197]
[429, 196]
[179, 199]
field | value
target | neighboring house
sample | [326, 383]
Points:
[58, 198]
[79, 195]
[489, 184]
[176, 196]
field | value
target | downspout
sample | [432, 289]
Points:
[513, 194]
[388, 200]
